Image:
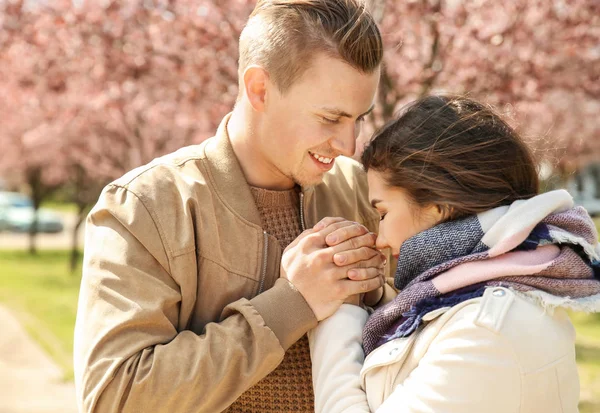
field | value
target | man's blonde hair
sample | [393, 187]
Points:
[283, 35]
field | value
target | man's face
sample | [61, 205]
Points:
[317, 119]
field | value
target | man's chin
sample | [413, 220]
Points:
[305, 181]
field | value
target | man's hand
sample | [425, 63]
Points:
[356, 246]
[325, 274]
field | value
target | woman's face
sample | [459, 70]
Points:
[400, 217]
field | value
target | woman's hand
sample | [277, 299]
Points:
[355, 299]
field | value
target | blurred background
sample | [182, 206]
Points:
[90, 90]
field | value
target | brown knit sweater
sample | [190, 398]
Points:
[289, 387]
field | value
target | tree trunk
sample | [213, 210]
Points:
[81, 213]
[37, 194]
[434, 57]
[595, 172]
[33, 234]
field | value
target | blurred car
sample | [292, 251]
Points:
[17, 215]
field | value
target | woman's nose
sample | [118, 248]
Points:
[380, 242]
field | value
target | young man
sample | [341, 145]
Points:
[189, 302]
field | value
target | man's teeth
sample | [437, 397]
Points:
[322, 159]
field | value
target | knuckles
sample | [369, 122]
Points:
[322, 257]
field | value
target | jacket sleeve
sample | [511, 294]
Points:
[130, 355]
[337, 358]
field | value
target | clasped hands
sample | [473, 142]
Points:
[334, 262]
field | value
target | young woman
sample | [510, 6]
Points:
[486, 268]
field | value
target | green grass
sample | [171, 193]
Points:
[588, 356]
[588, 359]
[43, 294]
[60, 206]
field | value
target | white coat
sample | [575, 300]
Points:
[500, 353]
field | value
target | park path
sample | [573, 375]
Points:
[30, 382]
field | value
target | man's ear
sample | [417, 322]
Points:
[256, 79]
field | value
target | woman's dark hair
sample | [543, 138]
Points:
[454, 153]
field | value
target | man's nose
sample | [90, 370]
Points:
[345, 142]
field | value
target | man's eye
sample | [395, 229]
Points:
[361, 119]
[328, 120]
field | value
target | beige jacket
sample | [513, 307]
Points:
[500, 353]
[181, 307]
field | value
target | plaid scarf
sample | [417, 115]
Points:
[543, 247]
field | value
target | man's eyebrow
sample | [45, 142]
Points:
[341, 113]
[374, 202]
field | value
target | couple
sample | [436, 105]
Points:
[222, 278]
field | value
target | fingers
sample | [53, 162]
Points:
[344, 231]
[360, 274]
[373, 297]
[337, 230]
[365, 240]
[318, 238]
[353, 256]
[325, 222]
[352, 287]
[378, 260]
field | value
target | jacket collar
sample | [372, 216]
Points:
[227, 175]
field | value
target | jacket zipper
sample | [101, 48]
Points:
[264, 265]
[302, 211]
